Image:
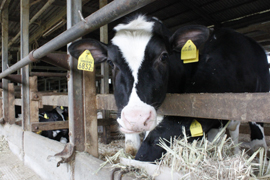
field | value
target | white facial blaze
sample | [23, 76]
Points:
[132, 39]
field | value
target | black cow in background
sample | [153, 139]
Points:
[57, 114]
[228, 62]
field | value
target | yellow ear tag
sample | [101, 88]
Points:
[86, 61]
[189, 52]
[62, 107]
[45, 116]
[39, 132]
[196, 128]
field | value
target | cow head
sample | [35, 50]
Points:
[138, 54]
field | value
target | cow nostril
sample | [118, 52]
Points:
[149, 117]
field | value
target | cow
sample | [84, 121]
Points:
[57, 114]
[145, 60]
[229, 62]
[170, 127]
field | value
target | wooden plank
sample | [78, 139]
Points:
[90, 113]
[11, 106]
[231, 106]
[18, 102]
[55, 100]
[34, 105]
[43, 126]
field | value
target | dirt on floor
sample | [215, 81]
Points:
[11, 167]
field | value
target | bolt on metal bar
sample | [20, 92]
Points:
[107, 14]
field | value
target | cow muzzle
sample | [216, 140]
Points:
[137, 119]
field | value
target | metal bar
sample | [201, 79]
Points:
[75, 95]
[107, 14]
[25, 70]
[57, 59]
[14, 78]
[5, 60]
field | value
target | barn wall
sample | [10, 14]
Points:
[36, 149]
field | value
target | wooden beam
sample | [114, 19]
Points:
[44, 126]
[243, 107]
[52, 100]
[11, 106]
[18, 102]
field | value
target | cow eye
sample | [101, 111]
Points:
[110, 63]
[164, 56]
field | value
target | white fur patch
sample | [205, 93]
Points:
[132, 39]
[256, 143]
[132, 140]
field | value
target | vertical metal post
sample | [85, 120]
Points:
[104, 87]
[5, 60]
[75, 93]
[104, 66]
[25, 70]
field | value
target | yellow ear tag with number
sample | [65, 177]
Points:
[86, 61]
[196, 128]
[62, 107]
[189, 53]
[46, 116]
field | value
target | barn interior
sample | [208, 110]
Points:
[48, 19]
[246, 16]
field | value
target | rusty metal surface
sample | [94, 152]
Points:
[231, 106]
[14, 78]
[57, 59]
[65, 156]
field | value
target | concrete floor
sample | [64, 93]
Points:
[11, 167]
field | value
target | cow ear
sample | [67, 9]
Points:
[198, 34]
[97, 49]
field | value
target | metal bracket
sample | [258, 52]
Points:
[64, 156]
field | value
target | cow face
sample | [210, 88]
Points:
[139, 56]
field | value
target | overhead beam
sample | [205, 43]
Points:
[200, 12]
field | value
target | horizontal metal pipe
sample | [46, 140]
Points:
[57, 59]
[107, 14]
[14, 78]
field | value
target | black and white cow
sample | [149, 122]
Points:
[229, 62]
[57, 114]
[146, 65]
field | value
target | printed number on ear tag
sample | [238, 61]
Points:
[189, 52]
[86, 61]
[196, 128]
